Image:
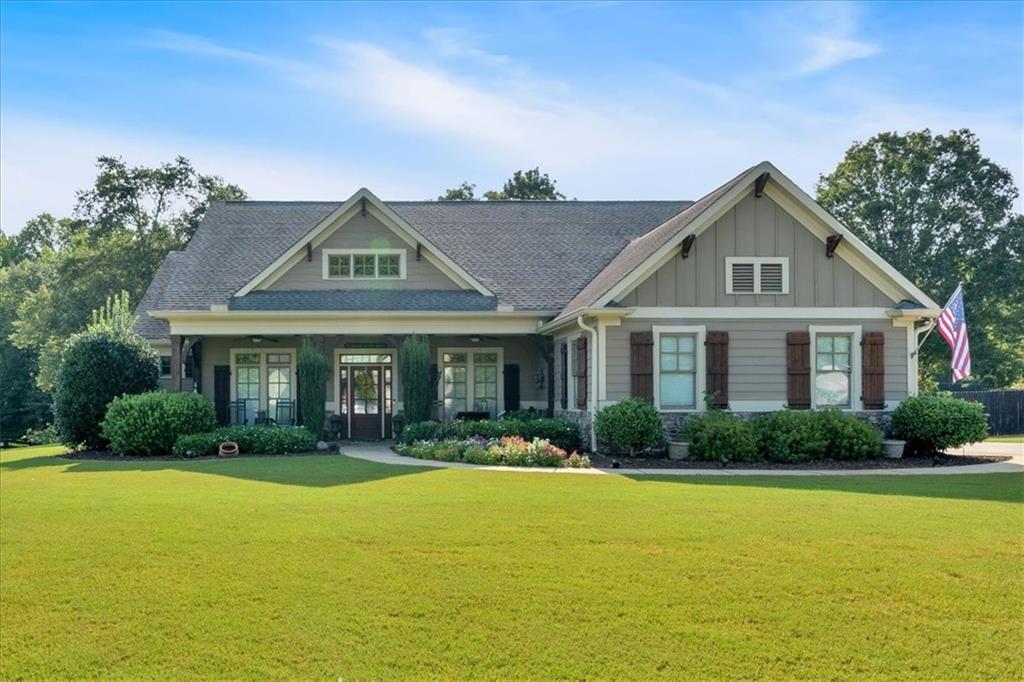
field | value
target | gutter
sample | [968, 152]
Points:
[593, 371]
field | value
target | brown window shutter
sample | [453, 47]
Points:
[798, 370]
[641, 365]
[873, 370]
[564, 357]
[581, 372]
[717, 346]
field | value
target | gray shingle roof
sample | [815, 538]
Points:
[534, 255]
[365, 299]
[150, 327]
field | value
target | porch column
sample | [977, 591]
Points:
[175, 362]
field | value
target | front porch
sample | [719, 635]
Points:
[254, 378]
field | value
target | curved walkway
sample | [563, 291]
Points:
[382, 454]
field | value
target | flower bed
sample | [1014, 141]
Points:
[507, 451]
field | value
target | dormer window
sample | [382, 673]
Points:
[750, 275]
[364, 264]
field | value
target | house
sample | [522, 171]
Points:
[753, 296]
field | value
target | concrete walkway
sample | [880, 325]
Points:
[382, 454]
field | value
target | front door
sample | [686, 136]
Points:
[366, 402]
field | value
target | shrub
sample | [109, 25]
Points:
[934, 423]
[43, 436]
[96, 367]
[417, 388]
[150, 423]
[848, 437]
[312, 368]
[721, 437]
[523, 415]
[508, 451]
[257, 440]
[631, 424]
[790, 436]
[561, 433]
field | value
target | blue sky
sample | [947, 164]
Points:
[614, 100]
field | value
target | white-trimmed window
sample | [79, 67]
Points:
[165, 366]
[262, 377]
[835, 367]
[364, 264]
[750, 275]
[679, 369]
[472, 380]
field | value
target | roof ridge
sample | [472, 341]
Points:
[571, 202]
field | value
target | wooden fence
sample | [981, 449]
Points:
[1005, 408]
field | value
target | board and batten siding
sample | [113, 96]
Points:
[757, 355]
[363, 232]
[756, 227]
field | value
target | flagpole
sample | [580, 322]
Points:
[959, 286]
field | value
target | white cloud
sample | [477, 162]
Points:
[829, 51]
[824, 35]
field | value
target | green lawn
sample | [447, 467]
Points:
[1019, 438]
[329, 567]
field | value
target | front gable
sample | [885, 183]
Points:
[758, 228]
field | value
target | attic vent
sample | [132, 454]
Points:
[750, 275]
[743, 278]
[771, 278]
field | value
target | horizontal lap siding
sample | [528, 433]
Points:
[757, 355]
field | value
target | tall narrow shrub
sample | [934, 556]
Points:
[417, 393]
[313, 368]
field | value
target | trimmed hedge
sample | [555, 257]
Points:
[790, 436]
[849, 438]
[255, 440]
[561, 433]
[150, 423]
[933, 423]
[631, 425]
[721, 437]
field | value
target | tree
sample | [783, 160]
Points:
[464, 192]
[313, 369]
[942, 213]
[417, 390]
[524, 185]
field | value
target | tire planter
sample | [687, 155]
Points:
[228, 449]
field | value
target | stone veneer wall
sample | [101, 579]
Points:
[581, 419]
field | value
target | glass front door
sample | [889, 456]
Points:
[364, 391]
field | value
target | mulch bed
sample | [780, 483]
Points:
[606, 461]
[107, 455]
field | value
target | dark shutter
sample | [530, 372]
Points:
[641, 365]
[511, 387]
[873, 370]
[221, 392]
[563, 352]
[798, 370]
[718, 368]
[581, 372]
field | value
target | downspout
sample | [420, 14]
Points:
[591, 395]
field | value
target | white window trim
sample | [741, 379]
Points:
[264, 378]
[336, 380]
[570, 355]
[757, 262]
[470, 368]
[160, 365]
[856, 403]
[327, 253]
[701, 369]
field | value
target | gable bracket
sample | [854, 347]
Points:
[831, 243]
[419, 251]
[759, 184]
[362, 206]
[687, 245]
[309, 251]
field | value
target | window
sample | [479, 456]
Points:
[679, 373]
[279, 380]
[471, 380]
[165, 365]
[678, 364]
[247, 384]
[747, 275]
[261, 379]
[835, 366]
[364, 264]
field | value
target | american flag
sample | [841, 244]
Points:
[953, 327]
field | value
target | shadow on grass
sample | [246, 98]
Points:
[318, 471]
[1008, 487]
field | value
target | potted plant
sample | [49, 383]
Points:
[679, 449]
[894, 448]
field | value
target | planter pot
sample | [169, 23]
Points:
[894, 448]
[679, 450]
[228, 449]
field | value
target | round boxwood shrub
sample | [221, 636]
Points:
[150, 423]
[720, 437]
[95, 368]
[849, 438]
[933, 423]
[790, 437]
[629, 425]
